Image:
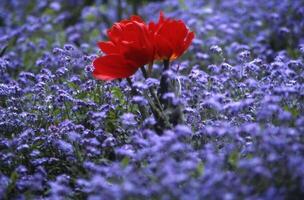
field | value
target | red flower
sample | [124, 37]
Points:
[171, 37]
[130, 46]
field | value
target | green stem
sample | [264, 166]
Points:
[119, 10]
[135, 7]
[157, 110]
[151, 90]
[162, 120]
[166, 65]
[3, 50]
[143, 70]
[175, 111]
[142, 109]
[164, 86]
[66, 110]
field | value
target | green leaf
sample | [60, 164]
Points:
[49, 11]
[293, 110]
[95, 33]
[90, 18]
[125, 161]
[199, 170]
[12, 184]
[233, 159]
[117, 93]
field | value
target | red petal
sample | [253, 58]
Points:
[152, 27]
[188, 39]
[112, 67]
[172, 37]
[161, 17]
[137, 18]
[164, 49]
[141, 56]
[108, 47]
[115, 32]
[185, 44]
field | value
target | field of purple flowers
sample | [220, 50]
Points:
[65, 135]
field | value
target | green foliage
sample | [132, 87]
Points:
[125, 161]
[12, 185]
[117, 93]
[233, 159]
[292, 109]
[199, 171]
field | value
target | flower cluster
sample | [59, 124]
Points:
[133, 44]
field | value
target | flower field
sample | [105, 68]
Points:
[152, 99]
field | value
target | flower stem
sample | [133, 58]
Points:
[157, 110]
[141, 108]
[164, 86]
[3, 51]
[175, 111]
[135, 7]
[162, 120]
[119, 10]
[143, 70]
[166, 65]
[151, 90]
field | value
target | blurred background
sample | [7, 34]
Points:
[266, 27]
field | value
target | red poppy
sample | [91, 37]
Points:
[130, 46]
[171, 37]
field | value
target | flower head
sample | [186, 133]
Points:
[171, 37]
[130, 46]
